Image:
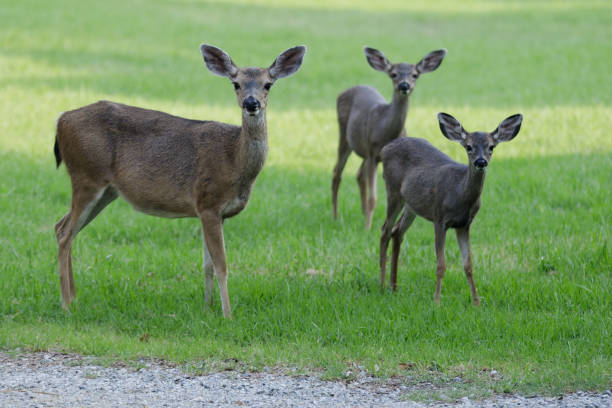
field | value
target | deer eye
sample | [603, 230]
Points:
[236, 85]
[268, 86]
[491, 148]
[414, 76]
[468, 148]
[393, 75]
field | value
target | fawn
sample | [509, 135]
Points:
[426, 182]
[367, 122]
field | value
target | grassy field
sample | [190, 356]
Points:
[540, 241]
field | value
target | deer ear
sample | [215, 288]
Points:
[431, 61]
[451, 128]
[508, 129]
[217, 61]
[377, 59]
[288, 62]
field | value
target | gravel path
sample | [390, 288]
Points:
[59, 380]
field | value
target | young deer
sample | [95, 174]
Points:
[428, 183]
[168, 166]
[367, 122]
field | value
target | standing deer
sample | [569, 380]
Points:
[168, 166]
[367, 122]
[428, 183]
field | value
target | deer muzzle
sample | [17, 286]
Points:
[251, 105]
[403, 87]
[480, 163]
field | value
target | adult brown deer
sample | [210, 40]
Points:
[428, 183]
[367, 122]
[166, 165]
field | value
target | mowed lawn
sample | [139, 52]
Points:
[540, 242]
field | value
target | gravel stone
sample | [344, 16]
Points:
[60, 380]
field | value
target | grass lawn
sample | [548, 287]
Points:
[540, 242]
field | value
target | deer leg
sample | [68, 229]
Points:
[440, 234]
[108, 197]
[463, 239]
[371, 170]
[212, 225]
[397, 233]
[393, 208]
[59, 232]
[344, 152]
[362, 182]
[209, 271]
[84, 201]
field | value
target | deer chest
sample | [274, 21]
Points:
[253, 163]
[462, 219]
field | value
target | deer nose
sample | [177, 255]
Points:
[251, 104]
[404, 86]
[480, 163]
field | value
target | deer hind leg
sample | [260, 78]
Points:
[108, 196]
[463, 239]
[440, 237]
[212, 225]
[87, 202]
[393, 209]
[397, 233]
[363, 187]
[371, 170]
[65, 263]
[344, 151]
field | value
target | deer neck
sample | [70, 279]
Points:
[395, 114]
[254, 127]
[253, 143]
[473, 184]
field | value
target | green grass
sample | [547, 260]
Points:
[540, 241]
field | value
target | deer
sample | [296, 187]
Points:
[423, 181]
[168, 166]
[367, 122]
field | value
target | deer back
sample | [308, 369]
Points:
[426, 178]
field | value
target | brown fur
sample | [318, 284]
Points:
[166, 165]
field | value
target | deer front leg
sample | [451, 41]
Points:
[209, 271]
[212, 225]
[463, 239]
[440, 233]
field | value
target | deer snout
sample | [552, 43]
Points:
[403, 87]
[480, 163]
[251, 104]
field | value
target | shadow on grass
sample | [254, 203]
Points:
[542, 221]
